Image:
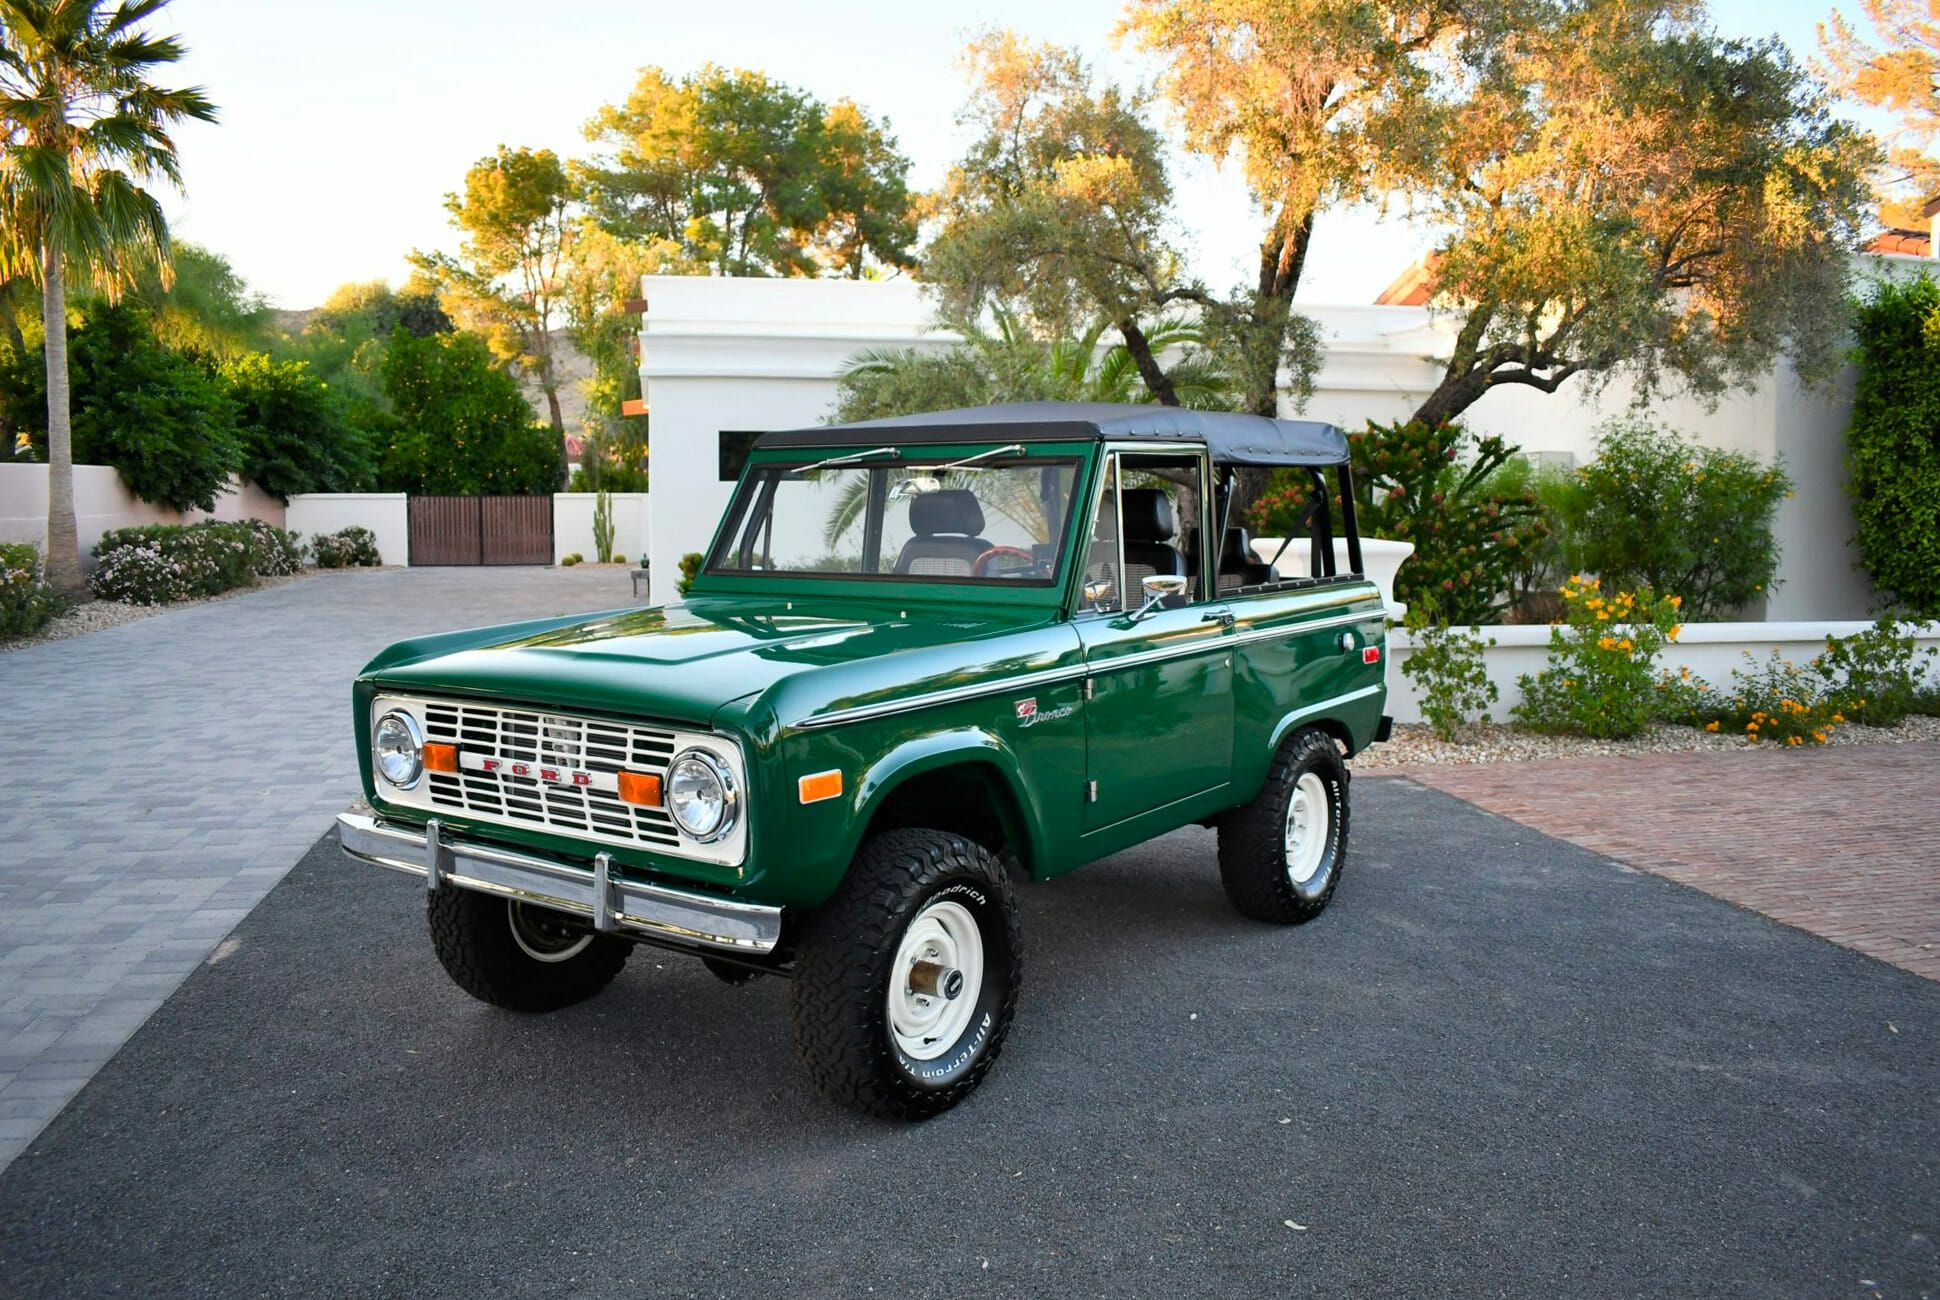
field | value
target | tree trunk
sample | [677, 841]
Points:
[63, 540]
[1454, 395]
[1157, 382]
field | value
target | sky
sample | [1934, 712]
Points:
[345, 122]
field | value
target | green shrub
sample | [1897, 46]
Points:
[1876, 677]
[1450, 673]
[160, 563]
[1656, 511]
[460, 425]
[26, 601]
[619, 559]
[1778, 701]
[690, 567]
[1600, 678]
[1893, 442]
[569, 560]
[1430, 486]
[352, 547]
[296, 431]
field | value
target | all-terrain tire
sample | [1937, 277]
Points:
[839, 1000]
[1266, 876]
[557, 965]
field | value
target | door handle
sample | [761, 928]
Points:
[1224, 618]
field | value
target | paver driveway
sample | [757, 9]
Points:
[163, 775]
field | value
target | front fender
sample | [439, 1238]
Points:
[937, 751]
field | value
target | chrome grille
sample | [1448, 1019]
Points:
[534, 737]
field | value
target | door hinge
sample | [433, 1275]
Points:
[1091, 791]
[1087, 688]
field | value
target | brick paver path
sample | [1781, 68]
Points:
[1843, 842]
[161, 776]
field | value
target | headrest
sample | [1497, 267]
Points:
[953, 510]
[1236, 549]
[1148, 515]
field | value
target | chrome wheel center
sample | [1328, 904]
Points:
[545, 935]
[935, 980]
[1308, 825]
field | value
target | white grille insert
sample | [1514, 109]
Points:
[556, 772]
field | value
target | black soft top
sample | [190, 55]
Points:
[1233, 439]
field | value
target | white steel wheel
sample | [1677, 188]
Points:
[936, 981]
[1308, 827]
[545, 935]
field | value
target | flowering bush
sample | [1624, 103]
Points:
[161, 563]
[1600, 678]
[352, 547]
[1776, 700]
[26, 601]
[1876, 677]
[1450, 673]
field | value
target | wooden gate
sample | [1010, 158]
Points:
[481, 530]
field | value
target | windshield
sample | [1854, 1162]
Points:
[997, 519]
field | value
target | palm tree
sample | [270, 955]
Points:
[82, 133]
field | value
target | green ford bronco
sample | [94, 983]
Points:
[926, 658]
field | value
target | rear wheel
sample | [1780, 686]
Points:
[518, 956]
[908, 977]
[1280, 857]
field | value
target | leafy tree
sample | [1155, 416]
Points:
[747, 176]
[1012, 365]
[163, 419]
[605, 272]
[1901, 75]
[1893, 443]
[83, 132]
[506, 281]
[204, 306]
[1058, 213]
[1626, 192]
[296, 432]
[461, 425]
[1315, 97]
[345, 340]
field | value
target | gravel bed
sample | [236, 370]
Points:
[95, 615]
[1415, 744]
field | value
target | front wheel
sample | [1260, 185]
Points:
[518, 956]
[908, 977]
[1280, 857]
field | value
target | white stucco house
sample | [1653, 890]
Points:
[724, 359]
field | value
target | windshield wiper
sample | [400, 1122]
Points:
[1014, 449]
[850, 459]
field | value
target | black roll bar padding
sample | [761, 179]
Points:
[1321, 531]
[1349, 523]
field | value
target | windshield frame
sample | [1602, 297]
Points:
[758, 476]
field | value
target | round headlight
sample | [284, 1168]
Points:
[397, 747]
[700, 795]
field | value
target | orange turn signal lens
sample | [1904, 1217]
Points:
[641, 788]
[441, 758]
[820, 785]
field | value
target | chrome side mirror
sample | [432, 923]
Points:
[1159, 588]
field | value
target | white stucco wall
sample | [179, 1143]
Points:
[386, 514]
[726, 354]
[572, 525]
[102, 502]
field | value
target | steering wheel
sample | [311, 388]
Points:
[976, 569]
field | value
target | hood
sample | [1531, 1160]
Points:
[680, 663]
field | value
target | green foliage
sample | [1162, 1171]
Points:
[352, 547]
[161, 563]
[1450, 672]
[346, 340]
[163, 419]
[204, 306]
[570, 559]
[690, 567]
[1600, 678]
[26, 601]
[1433, 486]
[462, 425]
[296, 432]
[1011, 365]
[613, 462]
[1876, 677]
[743, 175]
[1893, 443]
[1771, 700]
[603, 527]
[1654, 510]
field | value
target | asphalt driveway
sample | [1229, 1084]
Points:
[1499, 1065]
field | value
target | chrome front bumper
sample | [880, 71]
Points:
[615, 905]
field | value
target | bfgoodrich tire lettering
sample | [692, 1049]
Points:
[541, 965]
[855, 958]
[1280, 857]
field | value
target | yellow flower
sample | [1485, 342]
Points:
[1624, 644]
[1603, 615]
[1675, 629]
[1838, 717]
[1677, 602]
[1711, 726]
